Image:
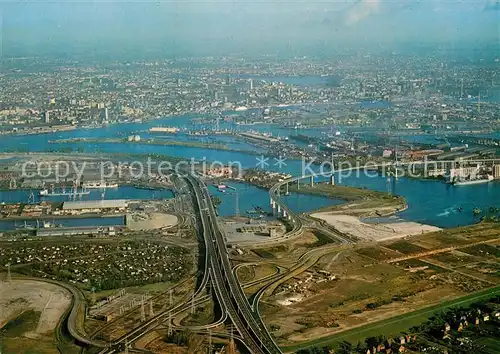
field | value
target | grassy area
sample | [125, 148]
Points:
[342, 192]
[368, 292]
[264, 253]
[30, 346]
[322, 239]
[14, 340]
[492, 344]
[460, 236]
[363, 198]
[25, 322]
[405, 247]
[246, 274]
[394, 325]
[203, 314]
[156, 142]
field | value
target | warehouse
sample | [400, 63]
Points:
[96, 204]
[75, 231]
[93, 206]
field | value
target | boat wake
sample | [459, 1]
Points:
[448, 211]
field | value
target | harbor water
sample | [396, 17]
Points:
[431, 202]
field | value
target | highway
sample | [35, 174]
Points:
[227, 288]
[219, 274]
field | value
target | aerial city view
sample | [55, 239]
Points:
[257, 177]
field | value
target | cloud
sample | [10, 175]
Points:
[361, 10]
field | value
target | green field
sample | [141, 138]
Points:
[364, 198]
[25, 322]
[492, 344]
[343, 192]
[405, 247]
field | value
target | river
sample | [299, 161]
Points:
[122, 192]
[430, 202]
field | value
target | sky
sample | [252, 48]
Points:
[225, 26]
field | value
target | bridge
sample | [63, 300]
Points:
[281, 210]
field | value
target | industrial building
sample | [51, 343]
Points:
[96, 204]
[259, 230]
[496, 171]
[89, 206]
[75, 231]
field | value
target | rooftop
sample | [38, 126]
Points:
[95, 204]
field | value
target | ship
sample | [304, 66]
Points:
[473, 181]
[197, 133]
[44, 225]
[100, 185]
[50, 225]
[170, 130]
[52, 193]
[26, 226]
[223, 186]
[148, 188]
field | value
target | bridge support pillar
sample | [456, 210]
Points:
[285, 214]
[279, 209]
[298, 184]
[286, 189]
[312, 181]
[332, 180]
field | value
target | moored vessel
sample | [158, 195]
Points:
[473, 181]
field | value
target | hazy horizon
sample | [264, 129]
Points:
[207, 27]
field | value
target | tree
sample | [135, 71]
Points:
[345, 348]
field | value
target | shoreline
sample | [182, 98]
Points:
[360, 204]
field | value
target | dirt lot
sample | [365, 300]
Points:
[374, 232]
[150, 221]
[362, 292]
[19, 296]
[362, 288]
[287, 253]
[29, 313]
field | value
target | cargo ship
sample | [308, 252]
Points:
[53, 193]
[45, 225]
[473, 181]
[169, 130]
[99, 185]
